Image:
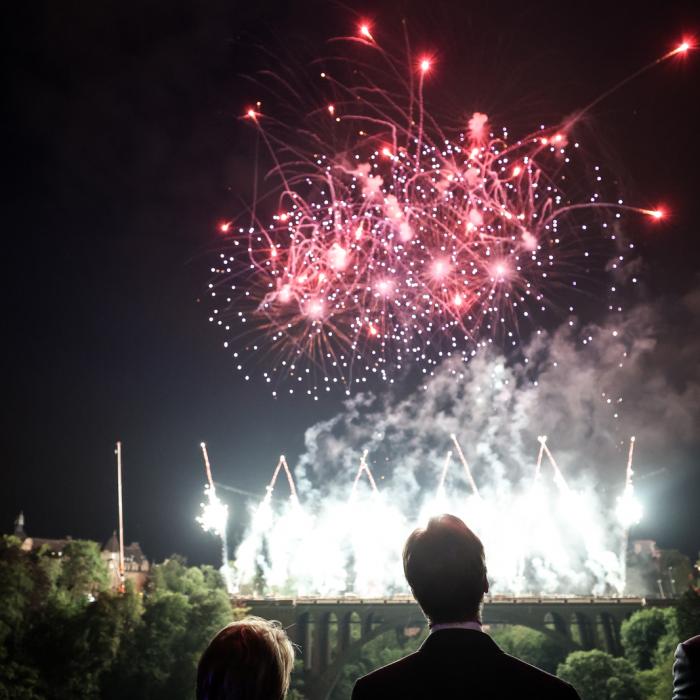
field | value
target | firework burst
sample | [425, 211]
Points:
[392, 242]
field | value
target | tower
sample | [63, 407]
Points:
[19, 526]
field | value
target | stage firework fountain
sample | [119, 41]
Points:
[629, 509]
[214, 518]
[351, 546]
[391, 241]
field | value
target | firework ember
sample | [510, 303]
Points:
[393, 242]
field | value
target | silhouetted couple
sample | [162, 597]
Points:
[444, 566]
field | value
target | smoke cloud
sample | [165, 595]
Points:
[588, 389]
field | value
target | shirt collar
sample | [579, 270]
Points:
[471, 625]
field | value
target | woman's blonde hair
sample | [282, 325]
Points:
[247, 660]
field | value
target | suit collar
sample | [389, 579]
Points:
[441, 639]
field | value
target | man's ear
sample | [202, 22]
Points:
[486, 584]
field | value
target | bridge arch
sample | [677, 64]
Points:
[370, 622]
[305, 638]
[328, 640]
[556, 623]
[351, 629]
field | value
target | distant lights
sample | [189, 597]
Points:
[425, 64]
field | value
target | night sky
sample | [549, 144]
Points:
[123, 150]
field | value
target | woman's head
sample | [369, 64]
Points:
[247, 660]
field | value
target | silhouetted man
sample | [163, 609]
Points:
[444, 566]
[686, 670]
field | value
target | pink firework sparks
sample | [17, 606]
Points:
[393, 243]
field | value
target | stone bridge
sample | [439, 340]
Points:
[330, 632]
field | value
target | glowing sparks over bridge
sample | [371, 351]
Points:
[339, 544]
[395, 242]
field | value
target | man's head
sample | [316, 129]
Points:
[444, 566]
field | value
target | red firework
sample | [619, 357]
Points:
[408, 244]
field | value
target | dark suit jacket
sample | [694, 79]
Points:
[686, 670]
[461, 663]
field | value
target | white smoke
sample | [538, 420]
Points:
[587, 389]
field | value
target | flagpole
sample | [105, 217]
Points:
[121, 513]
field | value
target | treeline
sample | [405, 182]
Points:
[65, 635]
[644, 672]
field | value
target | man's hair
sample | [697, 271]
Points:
[247, 660]
[444, 566]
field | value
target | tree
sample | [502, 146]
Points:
[657, 682]
[642, 632]
[63, 635]
[600, 676]
[183, 608]
[676, 571]
[296, 687]
[75, 644]
[649, 639]
[17, 584]
[688, 614]
[19, 679]
[530, 645]
[82, 572]
[56, 638]
[175, 576]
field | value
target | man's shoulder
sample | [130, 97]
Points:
[396, 674]
[529, 676]
[405, 666]
[407, 674]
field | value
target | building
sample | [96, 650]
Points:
[136, 565]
